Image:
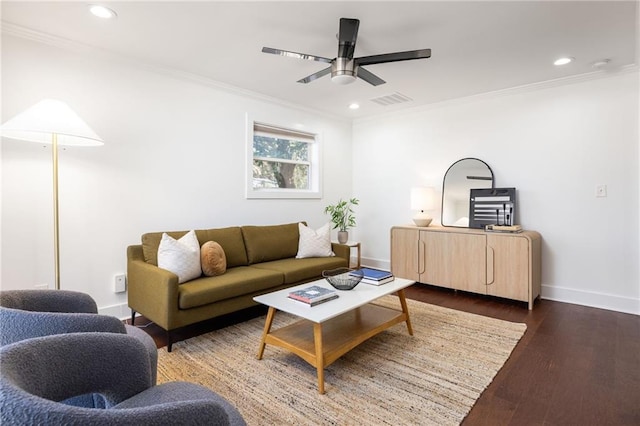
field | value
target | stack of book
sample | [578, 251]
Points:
[374, 276]
[513, 229]
[314, 295]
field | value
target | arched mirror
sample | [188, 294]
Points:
[461, 177]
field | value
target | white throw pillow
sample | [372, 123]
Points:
[314, 243]
[182, 257]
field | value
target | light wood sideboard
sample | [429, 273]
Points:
[498, 264]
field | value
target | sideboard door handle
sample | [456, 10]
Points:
[490, 276]
[421, 259]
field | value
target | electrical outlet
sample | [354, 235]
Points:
[601, 190]
[120, 283]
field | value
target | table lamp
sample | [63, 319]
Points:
[51, 122]
[423, 198]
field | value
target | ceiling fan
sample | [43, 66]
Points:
[345, 68]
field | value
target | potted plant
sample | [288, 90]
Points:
[342, 217]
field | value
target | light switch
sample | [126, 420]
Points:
[601, 190]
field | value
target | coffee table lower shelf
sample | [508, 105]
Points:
[320, 344]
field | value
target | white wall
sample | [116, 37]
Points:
[554, 143]
[174, 158]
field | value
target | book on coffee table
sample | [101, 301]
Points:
[313, 295]
[373, 276]
[315, 302]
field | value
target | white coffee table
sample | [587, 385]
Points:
[329, 330]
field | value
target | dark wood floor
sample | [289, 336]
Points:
[574, 366]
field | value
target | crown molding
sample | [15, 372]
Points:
[82, 48]
[525, 88]
[19, 31]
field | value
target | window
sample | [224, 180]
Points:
[282, 163]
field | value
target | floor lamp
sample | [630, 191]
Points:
[51, 122]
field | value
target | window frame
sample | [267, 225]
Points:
[314, 162]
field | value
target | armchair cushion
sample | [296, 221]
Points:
[39, 372]
[25, 314]
[48, 301]
[17, 324]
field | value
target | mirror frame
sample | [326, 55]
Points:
[444, 181]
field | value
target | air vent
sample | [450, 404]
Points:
[394, 98]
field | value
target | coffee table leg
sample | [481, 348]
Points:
[405, 309]
[267, 329]
[317, 337]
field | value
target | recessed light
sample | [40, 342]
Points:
[354, 106]
[601, 63]
[102, 11]
[563, 61]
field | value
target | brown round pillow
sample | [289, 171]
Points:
[213, 259]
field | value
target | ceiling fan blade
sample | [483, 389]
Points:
[315, 76]
[295, 55]
[347, 36]
[370, 77]
[394, 57]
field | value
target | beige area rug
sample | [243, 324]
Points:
[432, 378]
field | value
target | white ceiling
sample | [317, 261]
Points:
[476, 46]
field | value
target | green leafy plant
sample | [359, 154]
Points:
[342, 214]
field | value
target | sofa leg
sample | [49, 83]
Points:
[133, 316]
[169, 342]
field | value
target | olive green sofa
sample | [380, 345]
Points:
[260, 259]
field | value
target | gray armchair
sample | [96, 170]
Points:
[37, 373]
[25, 314]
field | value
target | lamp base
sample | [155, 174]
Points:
[422, 219]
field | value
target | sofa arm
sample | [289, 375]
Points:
[152, 291]
[342, 250]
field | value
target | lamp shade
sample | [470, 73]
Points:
[423, 198]
[50, 117]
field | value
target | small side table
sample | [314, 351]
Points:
[356, 245]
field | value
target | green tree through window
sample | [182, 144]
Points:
[280, 163]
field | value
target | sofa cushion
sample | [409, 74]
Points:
[314, 243]
[273, 242]
[151, 242]
[230, 239]
[212, 258]
[295, 270]
[182, 257]
[235, 282]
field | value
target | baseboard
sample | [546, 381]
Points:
[121, 311]
[376, 263]
[593, 299]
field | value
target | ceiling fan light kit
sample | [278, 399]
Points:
[344, 68]
[343, 71]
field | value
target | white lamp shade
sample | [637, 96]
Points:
[46, 118]
[423, 198]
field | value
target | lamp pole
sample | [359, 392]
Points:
[56, 224]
